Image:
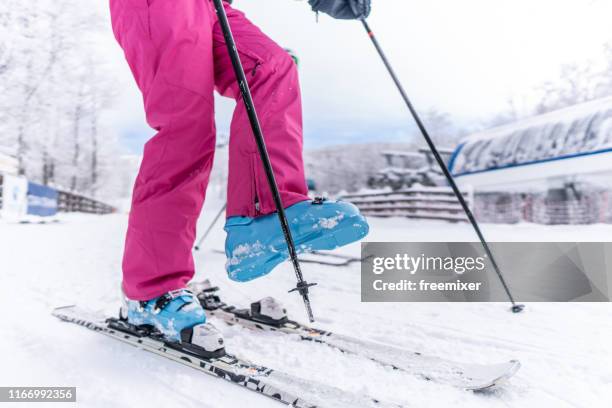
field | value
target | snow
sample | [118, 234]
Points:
[331, 222]
[565, 349]
[245, 251]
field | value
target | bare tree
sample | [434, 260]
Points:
[441, 128]
[577, 83]
[54, 89]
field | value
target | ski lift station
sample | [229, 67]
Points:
[551, 168]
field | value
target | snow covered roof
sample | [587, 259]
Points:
[583, 129]
[560, 115]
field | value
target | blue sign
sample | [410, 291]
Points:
[42, 200]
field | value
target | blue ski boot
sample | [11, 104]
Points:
[179, 317]
[254, 246]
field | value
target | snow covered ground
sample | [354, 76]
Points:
[565, 349]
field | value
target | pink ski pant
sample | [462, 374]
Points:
[177, 54]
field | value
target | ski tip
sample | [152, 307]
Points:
[63, 308]
[60, 312]
[510, 368]
[516, 365]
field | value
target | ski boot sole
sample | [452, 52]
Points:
[349, 230]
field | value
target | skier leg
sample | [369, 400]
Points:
[255, 243]
[169, 48]
[273, 80]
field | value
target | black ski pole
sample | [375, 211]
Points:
[516, 308]
[302, 286]
[210, 227]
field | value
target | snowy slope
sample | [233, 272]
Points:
[566, 349]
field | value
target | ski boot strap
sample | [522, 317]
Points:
[165, 299]
[319, 200]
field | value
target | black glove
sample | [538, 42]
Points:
[343, 9]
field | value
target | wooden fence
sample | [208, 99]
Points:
[70, 202]
[430, 203]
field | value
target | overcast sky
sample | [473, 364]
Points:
[463, 57]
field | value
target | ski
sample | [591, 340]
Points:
[326, 254]
[328, 258]
[282, 387]
[267, 315]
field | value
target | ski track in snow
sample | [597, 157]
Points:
[565, 349]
